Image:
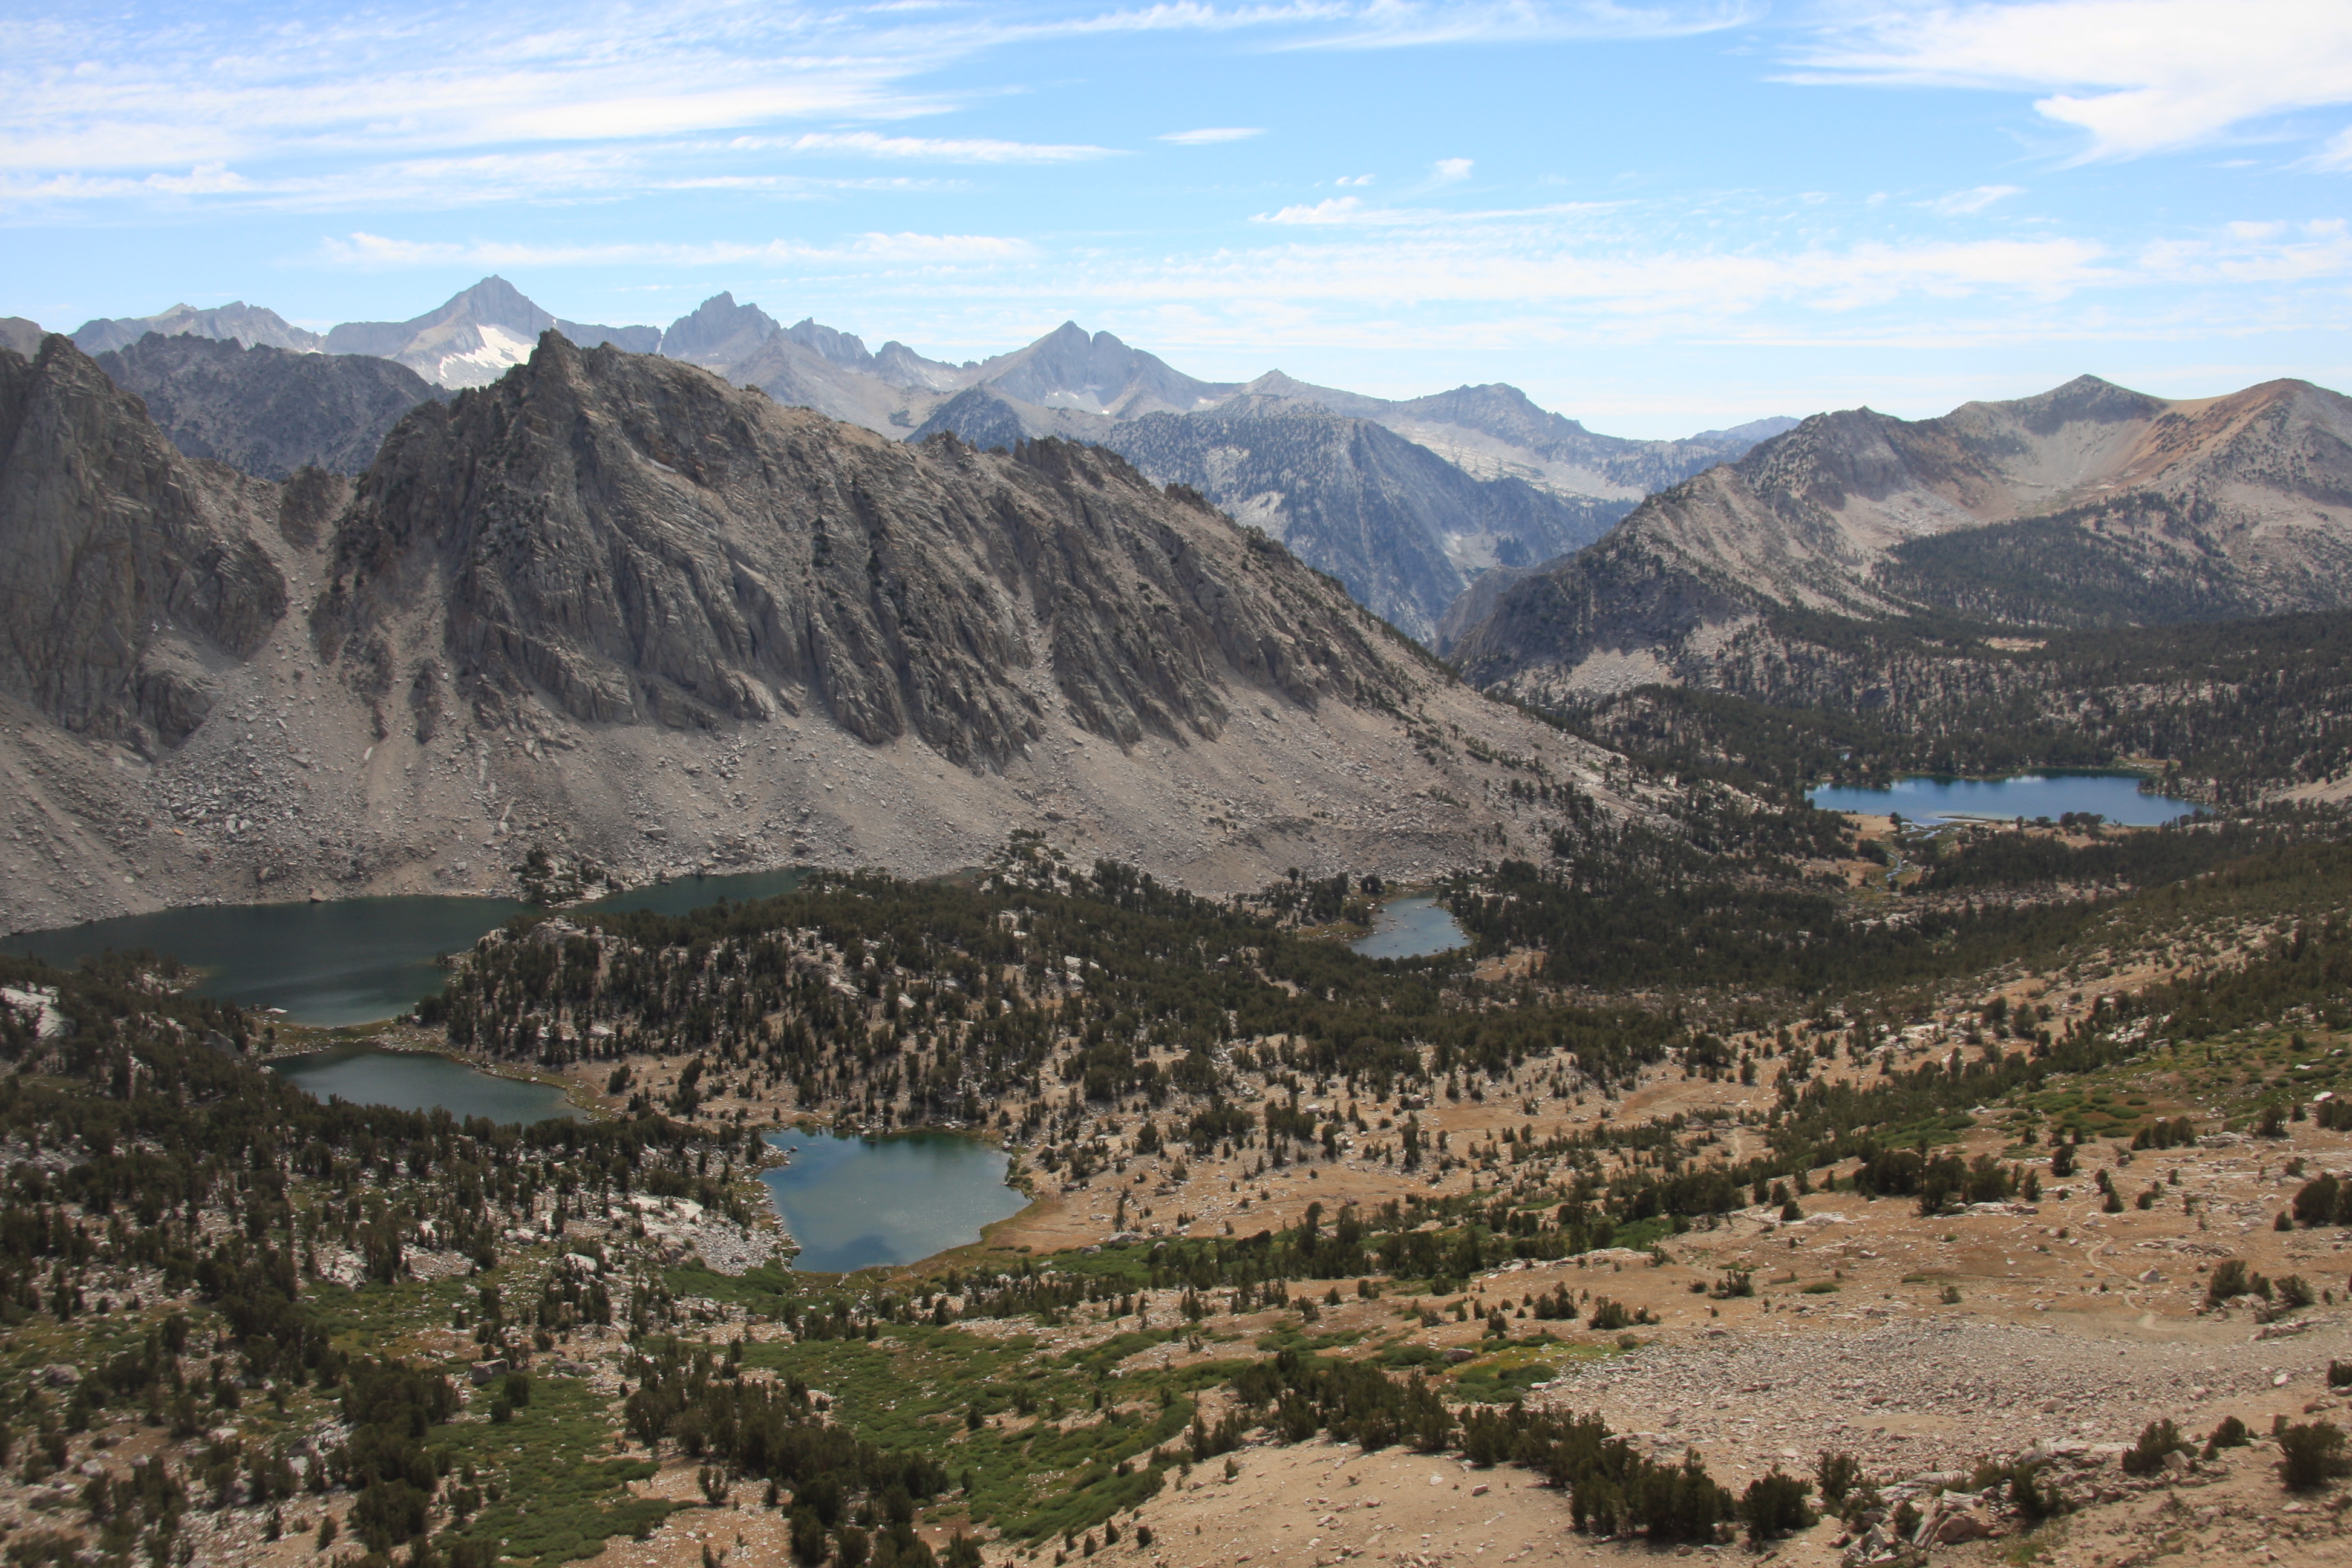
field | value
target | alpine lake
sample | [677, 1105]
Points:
[2117, 798]
[849, 1201]
[1411, 928]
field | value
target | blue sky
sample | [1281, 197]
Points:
[1654, 219]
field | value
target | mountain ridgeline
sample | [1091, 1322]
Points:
[268, 412]
[614, 615]
[638, 540]
[2081, 579]
[1408, 503]
[1405, 529]
[2087, 506]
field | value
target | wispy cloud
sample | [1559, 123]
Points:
[1210, 135]
[1338, 212]
[1960, 203]
[935, 149]
[1448, 171]
[2135, 76]
[1409, 24]
[362, 249]
[91, 94]
[1334, 211]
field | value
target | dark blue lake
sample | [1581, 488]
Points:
[2115, 796]
[854, 1203]
[347, 960]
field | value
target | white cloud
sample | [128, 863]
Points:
[2136, 76]
[1210, 135]
[92, 93]
[1959, 204]
[1532, 273]
[1447, 171]
[1345, 180]
[370, 250]
[2255, 253]
[943, 149]
[1333, 210]
[1407, 24]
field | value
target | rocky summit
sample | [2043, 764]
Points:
[617, 610]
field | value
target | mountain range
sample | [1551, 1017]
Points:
[1548, 562]
[1406, 502]
[616, 610]
[476, 337]
[2089, 505]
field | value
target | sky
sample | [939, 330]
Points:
[1656, 218]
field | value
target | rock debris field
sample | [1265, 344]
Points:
[1909, 1398]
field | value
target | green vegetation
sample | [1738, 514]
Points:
[2241, 705]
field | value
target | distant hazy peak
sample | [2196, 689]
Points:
[1275, 384]
[1749, 434]
[21, 336]
[476, 335]
[895, 362]
[841, 348]
[497, 301]
[1096, 373]
[250, 325]
[718, 327]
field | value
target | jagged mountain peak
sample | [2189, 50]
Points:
[672, 624]
[667, 570]
[840, 347]
[1098, 373]
[497, 301]
[718, 329]
[476, 335]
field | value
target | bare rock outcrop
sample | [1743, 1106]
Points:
[268, 412]
[128, 571]
[639, 541]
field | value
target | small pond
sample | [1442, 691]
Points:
[1411, 928]
[347, 960]
[852, 1202]
[2115, 796]
[419, 1080]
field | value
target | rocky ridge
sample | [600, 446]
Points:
[250, 326]
[616, 609]
[2086, 505]
[1405, 530]
[1407, 502]
[264, 411]
[132, 570]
